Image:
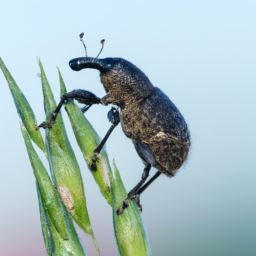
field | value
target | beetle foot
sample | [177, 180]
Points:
[137, 200]
[95, 159]
[121, 209]
[126, 203]
[47, 124]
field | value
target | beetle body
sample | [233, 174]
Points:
[148, 117]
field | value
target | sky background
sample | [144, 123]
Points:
[202, 55]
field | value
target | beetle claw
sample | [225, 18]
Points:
[95, 159]
[137, 200]
[127, 202]
[47, 124]
[120, 210]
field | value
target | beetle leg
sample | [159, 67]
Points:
[134, 191]
[113, 117]
[85, 108]
[142, 189]
[81, 96]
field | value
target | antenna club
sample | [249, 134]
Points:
[82, 41]
[102, 42]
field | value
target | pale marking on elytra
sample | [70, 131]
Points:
[161, 134]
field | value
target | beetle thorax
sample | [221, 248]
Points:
[126, 83]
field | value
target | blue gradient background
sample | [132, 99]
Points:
[202, 55]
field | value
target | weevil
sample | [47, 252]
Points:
[148, 117]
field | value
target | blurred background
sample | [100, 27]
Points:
[202, 55]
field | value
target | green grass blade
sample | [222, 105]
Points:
[55, 245]
[58, 229]
[88, 140]
[63, 164]
[130, 234]
[24, 110]
[48, 193]
[45, 223]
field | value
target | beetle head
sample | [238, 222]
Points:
[121, 79]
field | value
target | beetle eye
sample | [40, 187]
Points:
[109, 63]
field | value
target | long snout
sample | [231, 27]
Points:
[86, 62]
